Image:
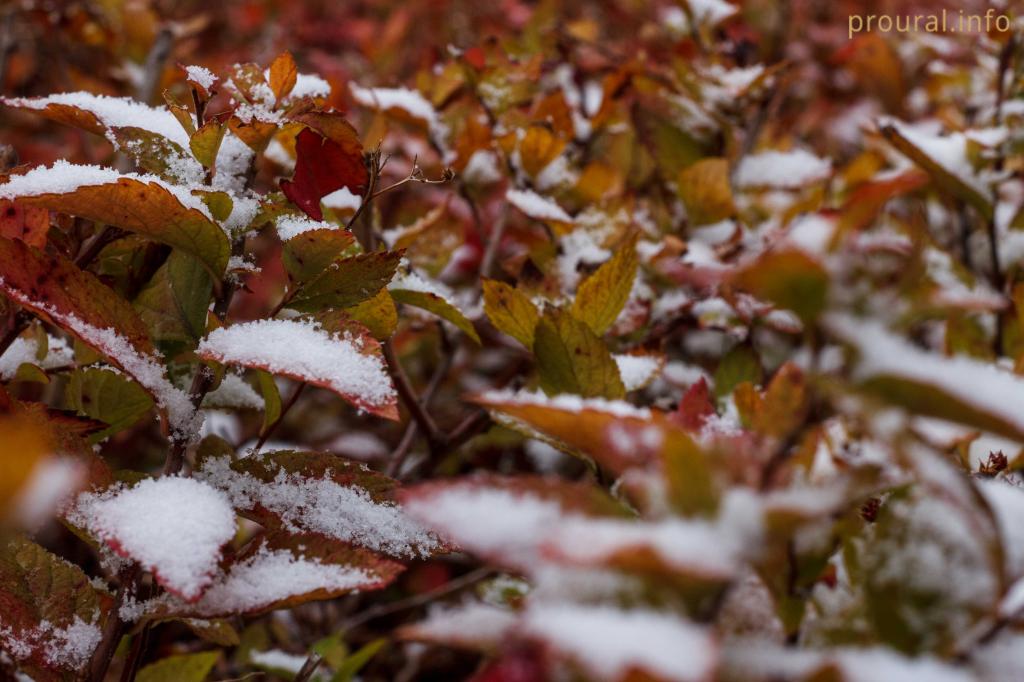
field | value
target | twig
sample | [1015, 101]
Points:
[6, 42]
[114, 627]
[154, 66]
[280, 418]
[491, 253]
[435, 438]
[309, 667]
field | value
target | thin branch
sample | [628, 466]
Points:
[280, 418]
[113, 628]
[153, 69]
[412, 402]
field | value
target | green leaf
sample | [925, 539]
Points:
[510, 311]
[108, 396]
[347, 282]
[271, 398]
[378, 314]
[308, 254]
[348, 670]
[573, 359]
[175, 302]
[435, 304]
[740, 364]
[601, 296]
[183, 668]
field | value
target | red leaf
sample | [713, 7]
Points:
[27, 223]
[695, 407]
[322, 166]
[515, 667]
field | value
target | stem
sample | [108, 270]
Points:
[280, 418]
[113, 629]
[435, 438]
[154, 65]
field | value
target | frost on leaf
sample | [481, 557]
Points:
[52, 614]
[143, 204]
[174, 527]
[309, 492]
[351, 366]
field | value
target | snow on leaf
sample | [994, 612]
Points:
[783, 170]
[411, 289]
[957, 388]
[537, 206]
[408, 102]
[615, 645]
[471, 626]
[52, 614]
[76, 301]
[323, 166]
[143, 204]
[323, 494]
[638, 370]
[174, 527]
[349, 365]
[504, 519]
[26, 349]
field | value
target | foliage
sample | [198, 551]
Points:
[538, 341]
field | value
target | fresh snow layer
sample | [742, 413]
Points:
[321, 505]
[537, 206]
[114, 112]
[172, 526]
[982, 385]
[637, 370]
[64, 178]
[565, 401]
[409, 101]
[68, 647]
[610, 642]
[471, 624]
[201, 76]
[289, 226]
[22, 350]
[302, 349]
[341, 199]
[234, 392]
[785, 170]
[270, 576]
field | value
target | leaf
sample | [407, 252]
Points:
[182, 668]
[510, 311]
[156, 154]
[322, 166]
[601, 296]
[205, 142]
[785, 403]
[378, 314]
[109, 397]
[705, 190]
[283, 74]
[573, 359]
[695, 407]
[436, 304]
[347, 282]
[271, 399]
[940, 175]
[308, 254]
[740, 364]
[41, 596]
[146, 208]
[358, 659]
[27, 441]
[27, 223]
[790, 279]
[175, 302]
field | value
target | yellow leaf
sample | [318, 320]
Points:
[510, 311]
[573, 359]
[705, 191]
[601, 297]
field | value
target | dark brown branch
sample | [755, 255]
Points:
[114, 627]
[280, 418]
[426, 424]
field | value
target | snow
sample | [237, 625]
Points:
[64, 178]
[637, 370]
[113, 112]
[482, 168]
[342, 199]
[786, 170]
[234, 157]
[234, 392]
[172, 526]
[982, 385]
[303, 349]
[409, 101]
[948, 151]
[70, 646]
[309, 85]
[24, 349]
[289, 226]
[201, 76]
[610, 642]
[323, 506]
[711, 12]
[407, 280]
[269, 576]
[183, 420]
[812, 233]
[1007, 503]
[568, 402]
[276, 659]
[52, 483]
[474, 623]
[537, 206]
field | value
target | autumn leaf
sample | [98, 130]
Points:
[347, 282]
[601, 296]
[27, 223]
[705, 191]
[510, 311]
[790, 279]
[323, 166]
[283, 74]
[573, 359]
